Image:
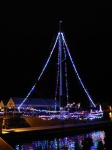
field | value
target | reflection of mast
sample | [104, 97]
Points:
[60, 63]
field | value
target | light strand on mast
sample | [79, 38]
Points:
[66, 73]
[40, 74]
[77, 73]
[57, 81]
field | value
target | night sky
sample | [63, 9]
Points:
[27, 30]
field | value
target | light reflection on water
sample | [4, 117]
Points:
[90, 141]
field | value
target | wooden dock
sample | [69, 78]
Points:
[54, 129]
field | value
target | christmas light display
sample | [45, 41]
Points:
[66, 51]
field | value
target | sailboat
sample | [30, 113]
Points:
[63, 52]
[58, 116]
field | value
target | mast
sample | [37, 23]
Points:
[60, 63]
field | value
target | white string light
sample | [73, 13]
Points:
[40, 74]
[77, 72]
[46, 64]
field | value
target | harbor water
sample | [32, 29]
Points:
[94, 140]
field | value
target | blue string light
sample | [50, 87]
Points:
[77, 72]
[40, 74]
[46, 64]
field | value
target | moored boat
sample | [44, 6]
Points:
[61, 116]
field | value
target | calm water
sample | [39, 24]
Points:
[94, 140]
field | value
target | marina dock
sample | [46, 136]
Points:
[55, 129]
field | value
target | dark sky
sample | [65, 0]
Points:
[27, 30]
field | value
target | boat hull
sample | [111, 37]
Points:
[35, 122]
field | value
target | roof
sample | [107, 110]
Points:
[35, 102]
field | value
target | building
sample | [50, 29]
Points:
[15, 102]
